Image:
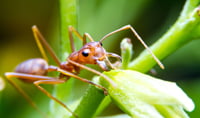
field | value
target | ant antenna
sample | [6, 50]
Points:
[139, 38]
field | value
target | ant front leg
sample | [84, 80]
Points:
[115, 65]
[92, 70]
[66, 73]
[139, 38]
[37, 80]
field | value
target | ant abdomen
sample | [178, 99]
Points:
[36, 66]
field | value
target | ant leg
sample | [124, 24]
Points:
[69, 74]
[54, 81]
[25, 95]
[71, 30]
[108, 54]
[37, 79]
[40, 39]
[87, 35]
[27, 76]
[138, 37]
[81, 79]
[42, 51]
[92, 70]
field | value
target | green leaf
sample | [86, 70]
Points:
[139, 95]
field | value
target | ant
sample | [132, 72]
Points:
[35, 70]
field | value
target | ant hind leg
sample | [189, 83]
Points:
[41, 40]
[26, 96]
[52, 81]
[37, 80]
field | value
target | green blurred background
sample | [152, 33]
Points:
[151, 18]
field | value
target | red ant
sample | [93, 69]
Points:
[34, 70]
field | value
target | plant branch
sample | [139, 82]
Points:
[68, 16]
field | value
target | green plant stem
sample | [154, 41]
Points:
[68, 16]
[178, 35]
[90, 102]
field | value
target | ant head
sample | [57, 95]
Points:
[91, 53]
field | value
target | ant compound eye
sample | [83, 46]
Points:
[101, 44]
[85, 52]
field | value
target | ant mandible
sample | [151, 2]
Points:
[34, 70]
